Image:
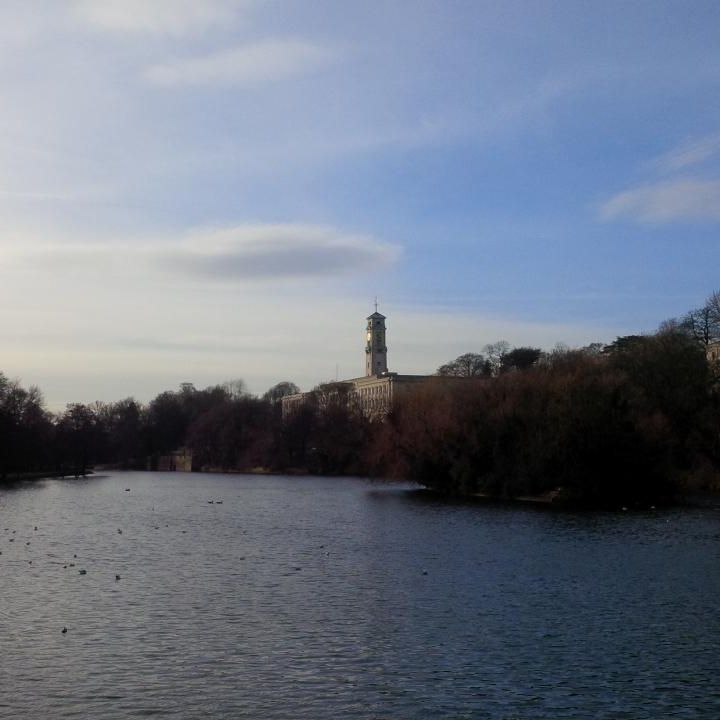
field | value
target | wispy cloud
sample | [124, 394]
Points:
[679, 197]
[79, 195]
[252, 64]
[663, 202]
[691, 152]
[164, 17]
[236, 254]
[198, 344]
[282, 250]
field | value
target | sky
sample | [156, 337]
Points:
[206, 191]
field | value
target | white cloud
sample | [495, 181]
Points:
[252, 64]
[664, 202]
[167, 17]
[691, 152]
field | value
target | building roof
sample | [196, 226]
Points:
[376, 316]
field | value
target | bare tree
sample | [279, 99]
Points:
[594, 349]
[495, 353]
[235, 389]
[713, 306]
[701, 325]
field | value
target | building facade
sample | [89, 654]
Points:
[712, 352]
[180, 460]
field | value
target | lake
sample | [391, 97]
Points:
[276, 597]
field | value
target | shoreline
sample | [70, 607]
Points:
[556, 499]
[11, 478]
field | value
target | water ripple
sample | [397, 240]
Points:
[338, 598]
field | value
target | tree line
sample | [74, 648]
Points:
[225, 427]
[635, 421]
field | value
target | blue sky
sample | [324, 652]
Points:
[205, 191]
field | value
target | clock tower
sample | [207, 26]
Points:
[375, 348]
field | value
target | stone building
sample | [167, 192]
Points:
[378, 389]
[179, 460]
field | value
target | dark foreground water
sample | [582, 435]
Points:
[326, 598]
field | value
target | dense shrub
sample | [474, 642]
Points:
[606, 429]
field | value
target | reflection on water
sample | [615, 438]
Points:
[274, 597]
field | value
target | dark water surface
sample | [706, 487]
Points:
[326, 598]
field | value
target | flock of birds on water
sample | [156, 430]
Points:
[83, 571]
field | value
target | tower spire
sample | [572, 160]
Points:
[376, 304]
